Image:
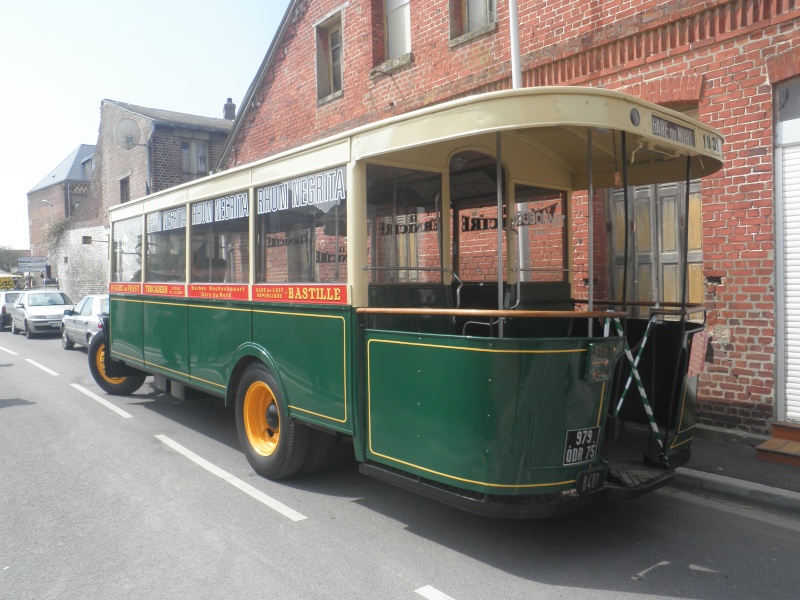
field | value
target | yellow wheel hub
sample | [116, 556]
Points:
[100, 361]
[261, 418]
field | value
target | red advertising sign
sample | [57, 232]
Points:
[301, 294]
[218, 291]
[165, 289]
[118, 287]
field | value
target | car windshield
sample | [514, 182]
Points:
[11, 298]
[49, 299]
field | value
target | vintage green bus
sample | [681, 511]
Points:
[409, 286]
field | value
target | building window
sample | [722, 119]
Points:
[398, 28]
[471, 17]
[194, 160]
[329, 58]
[124, 190]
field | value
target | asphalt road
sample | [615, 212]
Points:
[147, 496]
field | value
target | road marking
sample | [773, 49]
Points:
[431, 593]
[7, 350]
[701, 569]
[234, 481]
[641, 574]
[102, 401]
[42, 367]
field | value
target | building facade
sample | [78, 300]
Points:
[139, 150]
[335, 65]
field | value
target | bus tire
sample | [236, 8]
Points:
[321, 447]
[116, 386]
[275, 444]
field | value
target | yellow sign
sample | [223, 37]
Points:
[6, 283]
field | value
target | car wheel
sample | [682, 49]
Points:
[28, 332]
[66, 343]
[14, 329]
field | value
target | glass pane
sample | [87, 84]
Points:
[126, 250]
[478, 14]
[403, 208]
[669, 237]
[695, 224]
[302, 229]
[541, 227]
[166, 245]
[220, 229]
[643, 237]
[398, 28]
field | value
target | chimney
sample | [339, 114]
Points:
[229, 110]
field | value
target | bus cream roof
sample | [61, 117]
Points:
[543, 130]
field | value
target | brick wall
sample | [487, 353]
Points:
[721, 56]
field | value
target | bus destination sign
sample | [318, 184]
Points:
[301, 293]
[673, 131]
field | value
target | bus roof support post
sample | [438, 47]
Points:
[590, 204]
[500, 231]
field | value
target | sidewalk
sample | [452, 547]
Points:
[724, 464]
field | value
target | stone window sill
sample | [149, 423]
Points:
[471, 35]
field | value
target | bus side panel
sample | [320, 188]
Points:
[312, 349]
[216, 331]
[165, 339]
[479, 413]
[126, 329]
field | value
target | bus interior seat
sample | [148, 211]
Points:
[410, 295]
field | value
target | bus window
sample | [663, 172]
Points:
[540, 224]
[220, 234]
[403, 234]
[473, 197]
[126, 250]
[302, 229]
[166, 245]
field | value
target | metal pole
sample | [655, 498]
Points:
[499, 231]
[513, 26]
[590, 205]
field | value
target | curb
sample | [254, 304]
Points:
[711, 484]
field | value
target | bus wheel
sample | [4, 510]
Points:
[321, 447]
[274, 444]
[116, 386]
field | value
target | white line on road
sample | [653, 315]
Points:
[234, 481]
[641, 574]
[7, 350]
[102, 401]
[42, 367]
[431, 593]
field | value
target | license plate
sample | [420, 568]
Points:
[589, 480]
[581, 445]
[55, 324]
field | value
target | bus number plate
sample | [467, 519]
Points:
[589, 480]
[581, 445]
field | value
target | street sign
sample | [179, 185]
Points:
[32, 263]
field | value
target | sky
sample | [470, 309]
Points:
[59, 59]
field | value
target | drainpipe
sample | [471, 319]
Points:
[149, 189]
[513, 27]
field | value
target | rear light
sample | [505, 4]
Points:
[99, 324]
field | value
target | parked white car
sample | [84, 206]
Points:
[81, 323]
[7, 300]
[39, 311]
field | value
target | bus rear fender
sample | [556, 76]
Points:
[245, 355]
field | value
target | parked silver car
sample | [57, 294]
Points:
[80, 324]
[7, 300]
[39, 311]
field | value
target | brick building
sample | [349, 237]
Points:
[139, 150]
[734, 64]
[52, 202]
